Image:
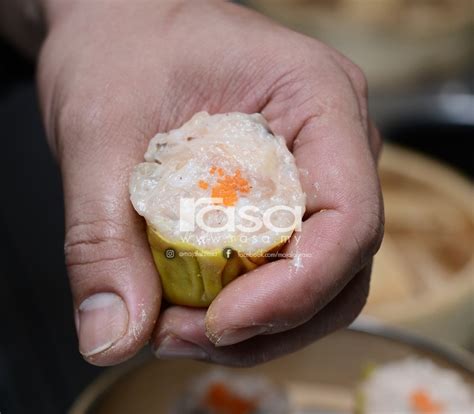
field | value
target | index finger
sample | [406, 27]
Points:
[342, 232]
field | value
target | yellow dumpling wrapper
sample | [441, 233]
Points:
[218, 195]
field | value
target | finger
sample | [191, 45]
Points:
[360, 87]
[114, 283]
[180, 333]
[343, 233]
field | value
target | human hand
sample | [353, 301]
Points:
[111, 74]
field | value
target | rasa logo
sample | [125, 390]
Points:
[192, 213]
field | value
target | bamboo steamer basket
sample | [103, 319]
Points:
[423, 275]
[322, 377]
[397, 43]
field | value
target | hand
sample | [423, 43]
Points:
[112, 74]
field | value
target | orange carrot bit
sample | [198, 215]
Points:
[244, 188]
[203, 184]
[422, 403]
[226, 187]
[221, 400]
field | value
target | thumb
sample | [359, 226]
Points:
[113, 280]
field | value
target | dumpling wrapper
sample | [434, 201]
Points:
[219, 193]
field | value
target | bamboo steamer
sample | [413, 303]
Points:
[423, 276]
[433, 39]
[322, 377]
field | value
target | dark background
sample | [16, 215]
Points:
[40, 368]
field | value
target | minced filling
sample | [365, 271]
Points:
[220, 181]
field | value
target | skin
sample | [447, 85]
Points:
[112, 73]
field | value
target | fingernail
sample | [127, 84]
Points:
[234, 336]
[172, 347]
[102, 320]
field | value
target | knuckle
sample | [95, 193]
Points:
[69, 115]
[79, 117]
[368, 233]
[374, 232]
[97, 124]
[73, 120]
[358, 79]
[376, 141]
[95, 242]
[85, 130]
[353, 71]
